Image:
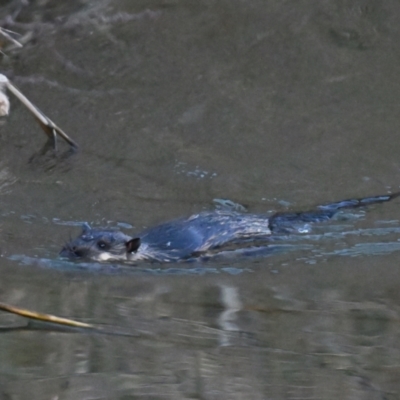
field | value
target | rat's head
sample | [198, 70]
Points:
[101, 245]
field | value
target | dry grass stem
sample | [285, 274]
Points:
[22, 312]
[48, 126]
[4, 33]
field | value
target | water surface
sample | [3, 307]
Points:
[275, 105]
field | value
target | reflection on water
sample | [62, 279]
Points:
[285, 320]
[6, 180]
[268, 325]
[283, 334]
[121, 269]
[276, 105]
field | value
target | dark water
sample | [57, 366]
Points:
[278, 105]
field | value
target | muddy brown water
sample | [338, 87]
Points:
[278, 105]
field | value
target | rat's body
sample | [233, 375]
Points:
[199, 234]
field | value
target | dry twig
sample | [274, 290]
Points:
[4, 33]
[22, 312]
[48, 126]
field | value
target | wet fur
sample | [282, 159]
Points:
[199, 234]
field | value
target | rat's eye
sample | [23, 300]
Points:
[102, 245]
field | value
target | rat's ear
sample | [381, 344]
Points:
[86, 228]
[132, 245]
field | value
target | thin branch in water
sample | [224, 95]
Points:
[4, 33]
[48, 126]
[52, 321]
[22, 312]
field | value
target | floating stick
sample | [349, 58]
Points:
[48, 126]
[22, 312]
